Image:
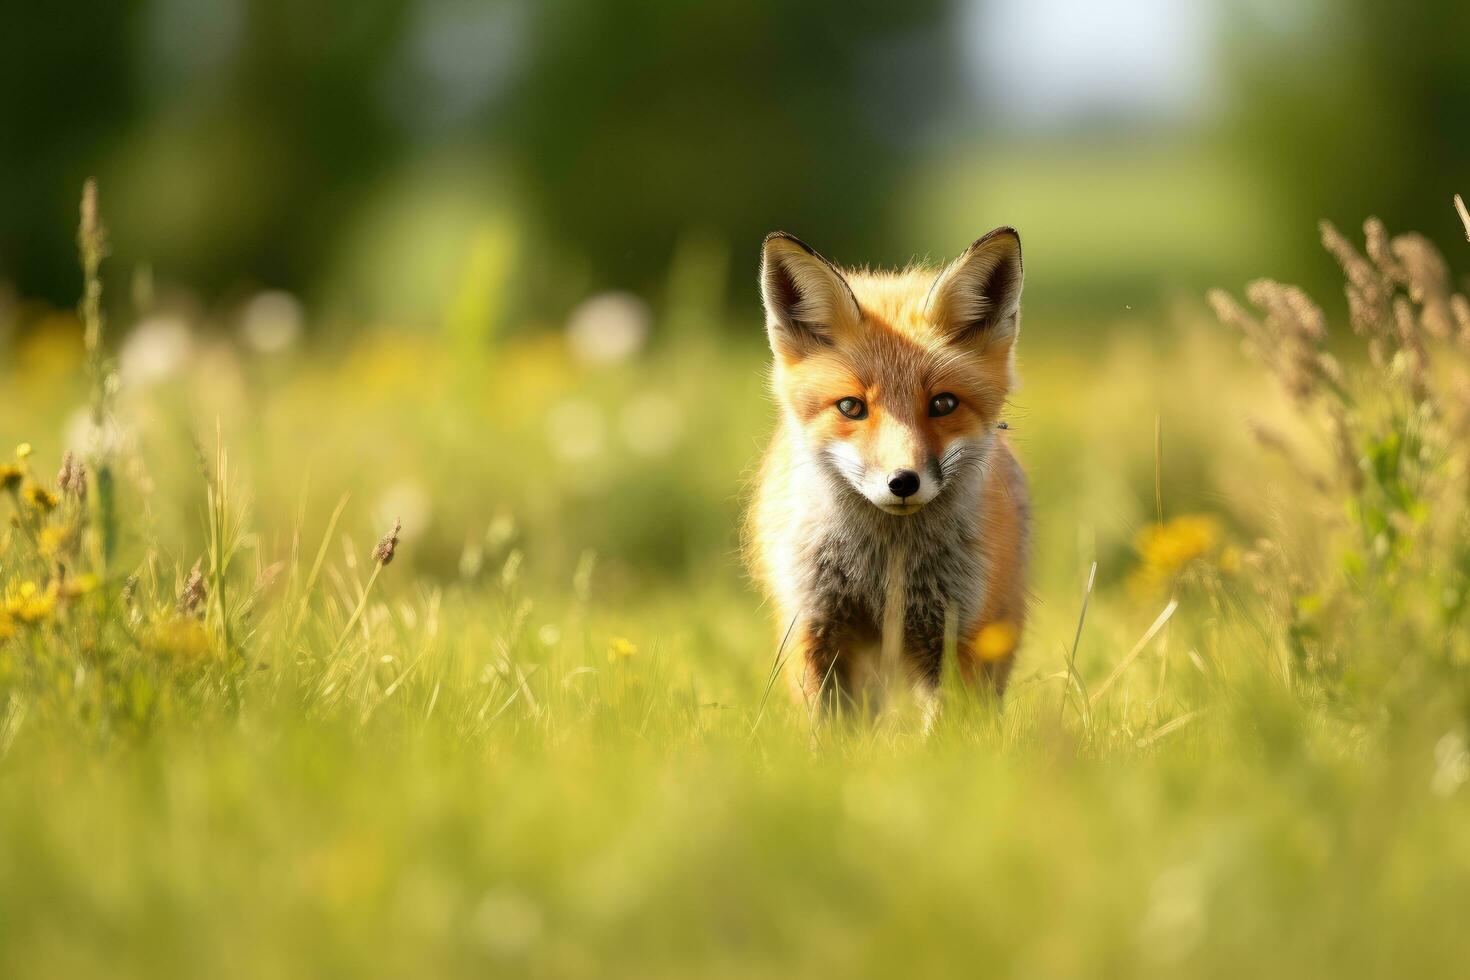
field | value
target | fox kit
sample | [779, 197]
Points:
[889, 512]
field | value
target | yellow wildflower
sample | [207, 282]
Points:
[10, 476]
[40, 498]
[1169, 547]
[621, 648]
[996, 640]
[1165, 550]
[56, 541]
[23, 451]
[1230, 560]
[29, 604]
[182, 639]
[78, 585]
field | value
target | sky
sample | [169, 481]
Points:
[1053, 65]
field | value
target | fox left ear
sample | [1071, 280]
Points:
[808, 302]
[977, 298]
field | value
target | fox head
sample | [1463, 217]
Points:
[895, 382]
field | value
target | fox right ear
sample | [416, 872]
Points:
[978, 297]
[807, 301]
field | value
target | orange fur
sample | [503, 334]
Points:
[826, 537]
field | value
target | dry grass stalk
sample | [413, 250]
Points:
[388, 545]
[1427, 279]
[1400, 300]
[382, 556]
[72, 477]
[1274, 441]
[192, 596]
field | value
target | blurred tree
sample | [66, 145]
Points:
[638, 120]
[231, 137]
[1353, 108]
[68, 74]
[235, 138]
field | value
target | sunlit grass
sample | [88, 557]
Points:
[537, 732]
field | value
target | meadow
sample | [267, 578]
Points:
[249, 729]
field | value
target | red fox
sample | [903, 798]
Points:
[889, 511]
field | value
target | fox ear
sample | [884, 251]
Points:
[977, 298]
[807, 300]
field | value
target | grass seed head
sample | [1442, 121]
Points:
[1427, 278]
[72, 477]
[388, 546]
[1460, 310]
[194, 593]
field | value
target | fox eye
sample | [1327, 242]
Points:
[943, 404]
[853, 408]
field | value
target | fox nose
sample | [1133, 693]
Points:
[903, 483]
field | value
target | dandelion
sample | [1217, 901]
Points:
[1169, 547]
[1230, 560]
[621, 648]
[180, 639]
[40, 498]
[78, 585]
[29, 604]
[1165, 550]
[56, 541]
[996, 640]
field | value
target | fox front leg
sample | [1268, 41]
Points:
[824, 671]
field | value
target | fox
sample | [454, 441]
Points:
[890, 519]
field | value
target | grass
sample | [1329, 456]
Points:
[544, 740]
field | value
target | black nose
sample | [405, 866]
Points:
[903, 483]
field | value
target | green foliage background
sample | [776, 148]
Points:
[352, 253]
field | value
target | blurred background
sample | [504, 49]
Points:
[388, 159]
[485, 256]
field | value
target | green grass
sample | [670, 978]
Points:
[545, 746]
